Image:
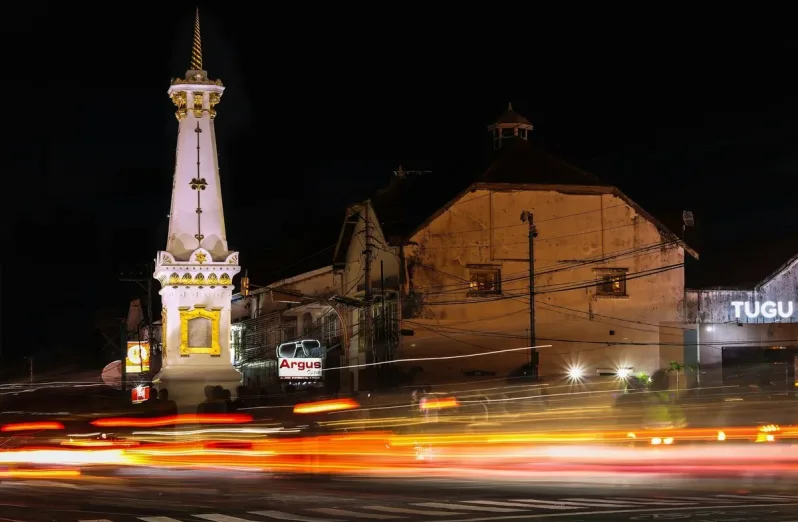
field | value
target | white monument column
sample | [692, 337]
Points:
[196, 270]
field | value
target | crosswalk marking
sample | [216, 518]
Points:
[570, 503]
[542, 504]
[759, 497]
[216, 517]
[497, 503]
[407, 511]
[701, 499]
[347, 513]
[280, 515]
[418, 510]
[638, 501]
[444, 505]
[606, 502]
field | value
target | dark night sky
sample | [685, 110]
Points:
[318, 113]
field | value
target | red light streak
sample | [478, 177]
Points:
[33, 426]
[119, 422]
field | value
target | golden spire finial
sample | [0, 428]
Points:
[196, 48]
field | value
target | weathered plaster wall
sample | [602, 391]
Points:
[714, 305]
[718, 327]
[783, 287]
[354, 276]
[578, 233]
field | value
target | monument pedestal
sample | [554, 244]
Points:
[186, 384]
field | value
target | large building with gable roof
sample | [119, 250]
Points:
[447, 271]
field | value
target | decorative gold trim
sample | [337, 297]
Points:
[197, 105]
[200, 279]
[164, 333]
[213, 101]
[199, 311]
[196, 48]
[197, 79]
[180, 99]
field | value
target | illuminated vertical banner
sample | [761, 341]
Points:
[137, 359]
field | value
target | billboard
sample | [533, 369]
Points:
[299, 369]
[137, 359]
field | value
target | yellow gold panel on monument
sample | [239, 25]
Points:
[199, 331]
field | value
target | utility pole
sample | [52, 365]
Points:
[30, 368]
[384, 326]
[534, 356]
[142, 276]
[123, 355]
[368, 327]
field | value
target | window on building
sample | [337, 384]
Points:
[331, 326]
[485, 281]
[611, 283]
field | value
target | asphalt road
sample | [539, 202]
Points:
[197, 496]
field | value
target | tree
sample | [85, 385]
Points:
[678, 368]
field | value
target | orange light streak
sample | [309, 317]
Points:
[120, 422]
[44, 473]
[32, 426]
[439, 404]
[326, 406]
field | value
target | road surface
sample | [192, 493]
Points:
[198, 496]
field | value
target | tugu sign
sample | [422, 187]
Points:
[768, 309]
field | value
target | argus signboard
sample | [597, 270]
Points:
[299, 369]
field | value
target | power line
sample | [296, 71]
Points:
[488, 229]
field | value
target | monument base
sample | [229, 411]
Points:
[186, 384]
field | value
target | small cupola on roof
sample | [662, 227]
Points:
[510, 125]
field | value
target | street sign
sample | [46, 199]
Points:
[139, 394]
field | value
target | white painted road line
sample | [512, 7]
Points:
[702, 499]
[572, 504]
[407, 511]
[280, 515]
[158, 519]
[507, 504]
[542, 504]
[455, 507]
[638, 501]
[216, 517]
[346, 513]
[604, 512]
[770, 498]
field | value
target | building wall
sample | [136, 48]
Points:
[383, 257]
[718, 327]
[272, 322]
[783, 287]
[578, 235]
